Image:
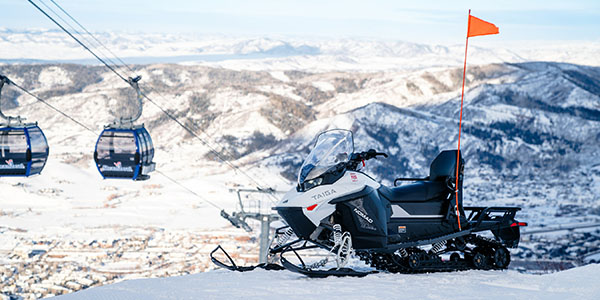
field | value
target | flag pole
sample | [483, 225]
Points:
[462, 96]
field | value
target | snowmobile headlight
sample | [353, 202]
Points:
[309, 184]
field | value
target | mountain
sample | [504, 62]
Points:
[530, 139]
[523, 123]
[280, 52]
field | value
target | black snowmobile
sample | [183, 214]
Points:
[411, 228]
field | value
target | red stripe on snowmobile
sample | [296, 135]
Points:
[518, 224]
[311, 207]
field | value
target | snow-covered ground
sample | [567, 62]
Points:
[578, 283]
[66, 200]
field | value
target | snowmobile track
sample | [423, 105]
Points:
[482, 256]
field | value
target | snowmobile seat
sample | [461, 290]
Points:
[416, 192]
[443, 167]
[432, 188]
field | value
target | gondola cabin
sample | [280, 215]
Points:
[125, 153]
[23, 150]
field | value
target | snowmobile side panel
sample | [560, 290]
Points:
[365, 217]
[412, 229]
[367, 190]
[296, 218]
[430, 209]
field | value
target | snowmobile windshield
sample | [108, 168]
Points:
[331, 148]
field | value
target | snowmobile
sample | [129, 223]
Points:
[410, 228]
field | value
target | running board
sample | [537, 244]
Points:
[395, 247]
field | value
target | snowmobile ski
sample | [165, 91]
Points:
[233, 267]
[313, 273]
[341, 272]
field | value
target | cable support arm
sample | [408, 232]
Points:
[3, 80]
[133, 82]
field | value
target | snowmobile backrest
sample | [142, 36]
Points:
[444, 166]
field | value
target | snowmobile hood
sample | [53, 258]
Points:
[315, 203]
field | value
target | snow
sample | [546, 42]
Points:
[69, 201]
[54, 76]
[285, 90]
[280, 75]
[324, 86]
[69, 210]
[578, 283]
[71, 205]
[285, 53]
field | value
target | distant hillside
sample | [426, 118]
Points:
[531, 131]
[283, 53]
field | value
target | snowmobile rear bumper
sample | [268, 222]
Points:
[499, 220]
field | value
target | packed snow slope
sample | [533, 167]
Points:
[578, 283]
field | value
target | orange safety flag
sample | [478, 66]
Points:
[475, 27]
[480, 27]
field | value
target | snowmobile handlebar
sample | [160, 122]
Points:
[366, 155]
[359, 157]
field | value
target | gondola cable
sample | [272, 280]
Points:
[189, 190]
[131, 70]
[235, 168]
[92, 131]
[52, 107]
[77, 40]
[77, 32]
[92, 36]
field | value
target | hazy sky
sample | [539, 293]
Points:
[418, 21]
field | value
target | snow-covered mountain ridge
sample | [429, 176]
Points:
[530, 139]
[282, 53]
[525, 124]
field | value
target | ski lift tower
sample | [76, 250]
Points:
[254, 204]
